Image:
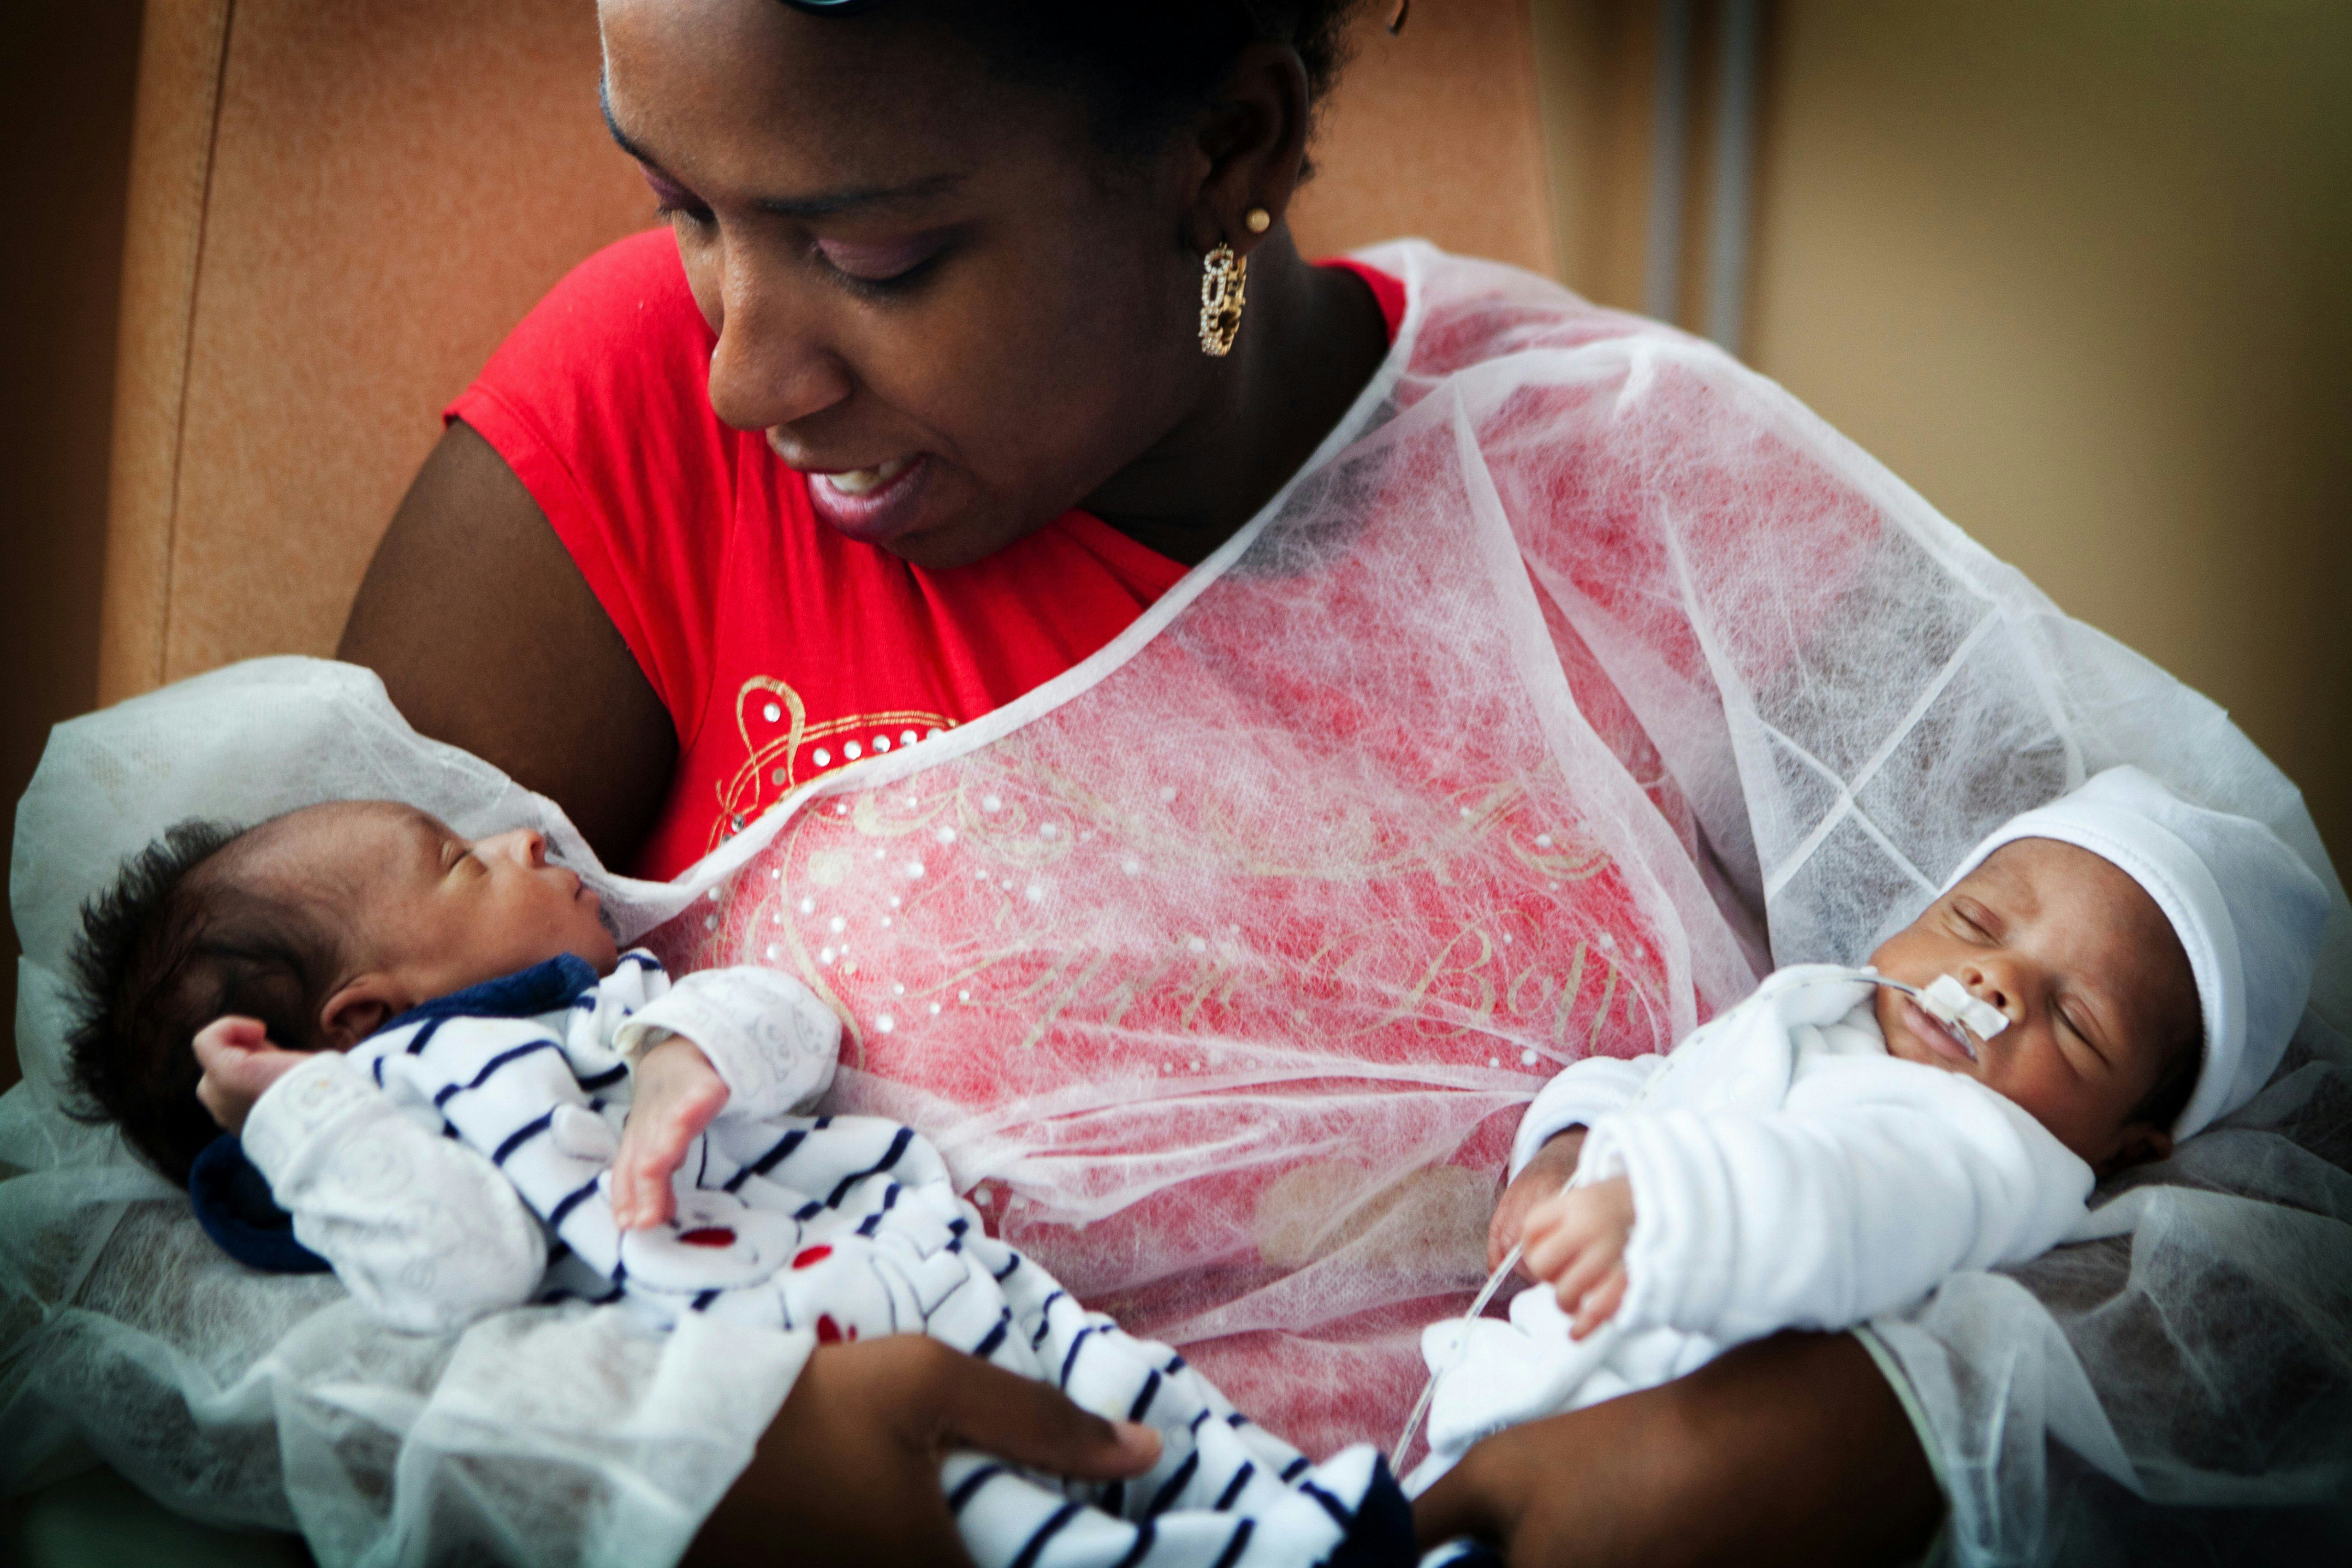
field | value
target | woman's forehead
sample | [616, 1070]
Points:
[764, 99]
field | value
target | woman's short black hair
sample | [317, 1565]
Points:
[1142, 67]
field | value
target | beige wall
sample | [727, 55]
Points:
[2081, 272]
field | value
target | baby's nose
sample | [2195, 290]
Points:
[524, 844]
[1989, 984]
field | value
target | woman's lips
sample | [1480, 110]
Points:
[1942, 1041]
[871, 504]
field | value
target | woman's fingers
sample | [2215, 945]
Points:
[1034, 1424]
[849, 1472]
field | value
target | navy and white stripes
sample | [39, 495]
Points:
[849, 1226]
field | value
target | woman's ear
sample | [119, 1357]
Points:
[359, 1007]
[1252, 147]
[2142, 1144]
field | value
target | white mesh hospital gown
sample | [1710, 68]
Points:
[1578, 662]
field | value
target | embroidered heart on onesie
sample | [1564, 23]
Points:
[716, 1243]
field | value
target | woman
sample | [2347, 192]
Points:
[947, 262]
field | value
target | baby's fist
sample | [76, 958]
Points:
[240, 1064]
[1575, 1244]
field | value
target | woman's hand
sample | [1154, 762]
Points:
[850, 1470]
[1791, 1449]
[1544, 1175]
[674, 1094]
[1575, 1244]
[240, 1064]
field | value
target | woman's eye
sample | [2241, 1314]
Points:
[674, 200]
[881, 264]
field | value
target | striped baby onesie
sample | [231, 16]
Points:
[452, 1164]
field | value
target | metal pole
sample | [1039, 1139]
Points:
[1735, 174]
[1669, 135]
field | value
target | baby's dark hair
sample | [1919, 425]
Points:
[2163, 1104]
[179, 940]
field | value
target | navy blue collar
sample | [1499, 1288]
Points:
[525, 993]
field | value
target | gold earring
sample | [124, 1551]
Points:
[1223, 276]
[1258, 219]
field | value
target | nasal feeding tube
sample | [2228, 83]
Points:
[1947, 999]
[1951, 1002]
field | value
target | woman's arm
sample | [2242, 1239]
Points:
[1791, 1449]
[486, 636]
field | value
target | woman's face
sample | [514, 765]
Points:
[929, 291]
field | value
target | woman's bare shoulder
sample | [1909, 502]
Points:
[486, 636]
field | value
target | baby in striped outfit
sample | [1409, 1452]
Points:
[467, 1100]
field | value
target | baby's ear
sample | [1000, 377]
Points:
[2143, 1143]
[358, 1009]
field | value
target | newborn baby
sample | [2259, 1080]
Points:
[468, 1099]
[2100, 979]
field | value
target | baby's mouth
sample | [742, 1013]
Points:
[1944, 1040]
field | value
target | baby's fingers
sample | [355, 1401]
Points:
[1600, 1303]
[637, 1195]
[1590, 1265]
[1548, 1253]
[649, 1157]
[226, 1038]
[1552, 1237]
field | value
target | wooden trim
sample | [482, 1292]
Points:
[183, 56]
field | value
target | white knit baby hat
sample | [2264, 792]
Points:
[2245, 906]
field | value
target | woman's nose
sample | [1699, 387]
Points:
[772, 364]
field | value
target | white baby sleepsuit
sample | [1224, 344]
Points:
[1786, 1172]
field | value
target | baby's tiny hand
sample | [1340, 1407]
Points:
[676, 1094]
[1542, 1178]
[1575, 1244]
[239, 1064]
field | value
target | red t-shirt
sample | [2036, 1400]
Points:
[781, 648]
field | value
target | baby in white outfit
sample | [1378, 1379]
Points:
[2125, 967]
